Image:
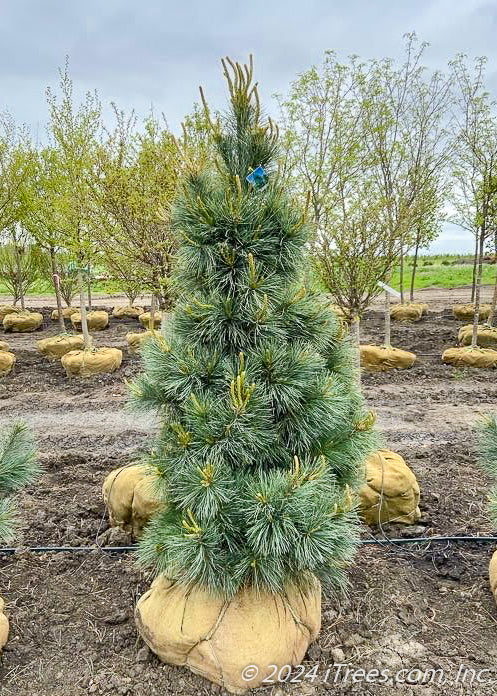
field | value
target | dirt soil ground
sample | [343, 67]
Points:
[425, 608]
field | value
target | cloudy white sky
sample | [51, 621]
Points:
[155, 53]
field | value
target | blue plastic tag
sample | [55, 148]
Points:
[258, 178]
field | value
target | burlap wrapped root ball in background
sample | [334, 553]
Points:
[57, 346]
[22, 322]
[218, 638]
[492, 572]
[338, 310]
[4, 625]
[486, 336]
[97, 320]
[381, 358]
[144, 319]
[407, 312]
[128, 493]
[127, 312]
[67, 313]
[8, 309]
[391, 491]
[7, 362]
[85, 363]
[135, 340]
[470, 357]
[4, 345]
[466, 312]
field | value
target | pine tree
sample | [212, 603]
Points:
[264, 430]
[18, 467]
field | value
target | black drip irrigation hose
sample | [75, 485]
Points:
[9, 550]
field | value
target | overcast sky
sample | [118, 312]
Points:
[143, 53]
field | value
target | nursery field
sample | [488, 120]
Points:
[422, 607]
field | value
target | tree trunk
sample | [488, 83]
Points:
[82, 310]
[20, 290]
[474, 340]
[355, 326]
[152, 311]
[414, 268]
[387, 319]
[475, 263]
[402, 275]
[490, 320]
[56, 282]
[88, 285]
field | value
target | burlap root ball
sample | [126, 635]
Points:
[57, 346]
[97, 320]
[8, 309]
[380, 358]
[4, 626]
[144, 319]
[135, 340]
[466, 312]
[470, 357]
[67, 313]
[406, 312]
[4, 345]
[338, 310]
[127, 312]
[23, 322]
[85, 363]
[128, 493]
[7, 362]
[219, 638]
[486, 336]
[492, 572]
[391, 491]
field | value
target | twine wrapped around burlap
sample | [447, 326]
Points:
[8, 309]
[4, 625]
[127, 312]
[486, 336]
[57, 346]
[23, 322]
[380, 358]
[470, 357]
[391, 491]
[407, 312]
[4, 345]
[144, 319]
[67, 312]
[7, 362]
[466, 312]
[128, 493]
[85, 363]
[97, 320]
[492, 572]
[219, 638]
[135, 340]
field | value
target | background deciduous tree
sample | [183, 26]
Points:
[137, 181]
[44, 214]
[475, 163]
[21, 262]
[369, 142]
[74, 132]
